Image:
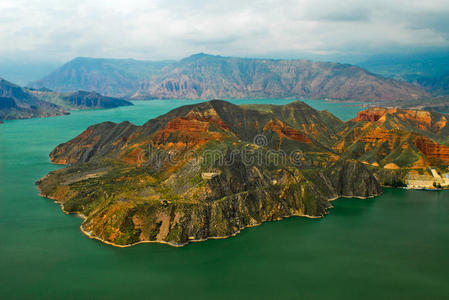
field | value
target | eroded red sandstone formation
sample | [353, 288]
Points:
[432, 149]
[423, 120]
[285, 131]
[372, 114]
[182, 132]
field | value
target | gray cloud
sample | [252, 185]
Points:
[60, 30]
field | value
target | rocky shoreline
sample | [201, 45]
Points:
[98, 238]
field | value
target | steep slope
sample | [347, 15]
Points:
[17, 103]
[201, 171]
[111, 77]
[204, 76]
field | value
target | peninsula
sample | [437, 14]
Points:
[210, 170]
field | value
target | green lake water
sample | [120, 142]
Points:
[395, 246]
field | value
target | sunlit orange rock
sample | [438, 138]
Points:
[431, 148]
[285, 131]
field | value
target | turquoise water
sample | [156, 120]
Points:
[395, 246]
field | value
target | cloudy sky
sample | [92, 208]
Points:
[58, 30]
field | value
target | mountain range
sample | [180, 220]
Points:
[203, 76]
[212, 169]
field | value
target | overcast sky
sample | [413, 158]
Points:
[58, 30]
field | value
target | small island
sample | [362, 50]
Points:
[210, 170]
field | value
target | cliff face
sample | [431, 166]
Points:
[7, 103]
[93, 100]
[432, 149]
[232, 201]
[204, 76]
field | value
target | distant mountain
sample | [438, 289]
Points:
[18, 103]
[408, 67]
[203, 76]
[436, 85]
[23, 103]
[428, 70]
[112, 77]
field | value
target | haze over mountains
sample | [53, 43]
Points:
[114, 77]
[203, 76]
[429, 70]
